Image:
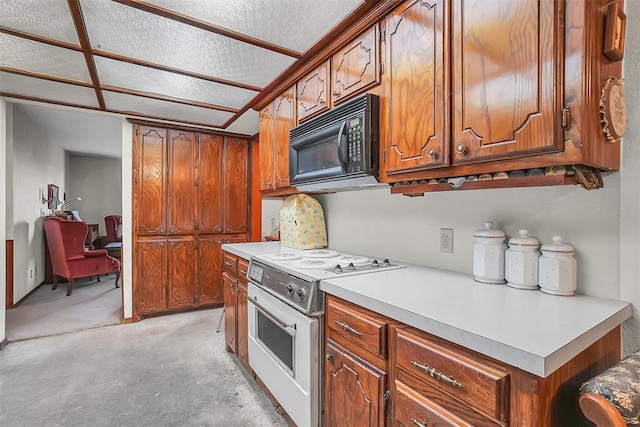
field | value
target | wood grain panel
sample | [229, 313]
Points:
[354, 390]
[151, 181]
[150, 288]
[229, 284]
[356, 67]
[181, 198]
[210, 270]
[210, 186]
[312, 92]
[255, 217]
[267, 148]
[415, 106]
[411, 406]
[506, 89]
[284, 116]
[236, 185]
[181, 279]
[242, 322]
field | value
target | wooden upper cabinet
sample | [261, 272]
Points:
[236, 175]
[414, 127]
[506, 78]
[313, 92]
[284, 116]
[181, 273]
[267, 148]
[210, 183]
[181, 198]
[150, 176]
[356, 66]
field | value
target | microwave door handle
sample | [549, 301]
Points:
[343, 146]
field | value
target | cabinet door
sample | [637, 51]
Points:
[210, 270]
[210, 183]
[182, 196]
[182, 273]
[150, 181]
[284, 114]
[229, 284]
[267, 148]
[150, 291]
[236, 208]
[355, 67]
[415, 108]
[242, 332]
[354, 390]
[507, 89]
[312, 92]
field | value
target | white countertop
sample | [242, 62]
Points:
[530, 330]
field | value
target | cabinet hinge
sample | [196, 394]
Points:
[387, 397]
[566, 118]
[196, 183]
[136, 247]
[195, 226]
[195, 246]
[383, 34]
[384, 155]
[381, 68]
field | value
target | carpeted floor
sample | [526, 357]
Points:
[165, 371]
[92, 304]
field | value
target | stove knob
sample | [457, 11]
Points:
[301, 294]
[337, 269]
[386, 262]
[374, 263]
[290, 290]
[351, 266]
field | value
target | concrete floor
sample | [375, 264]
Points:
[165, 371]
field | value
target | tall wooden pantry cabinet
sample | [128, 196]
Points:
[190, 195]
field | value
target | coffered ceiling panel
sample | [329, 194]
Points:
[164, 109]
[117, 73]
[294, 24]
[48, 18]
[42, 58]
[127, 31]
[47, 90]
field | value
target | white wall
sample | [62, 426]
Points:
[270, 215]
[37, 162]
[3, 217]
[630, 182]
[127, 217]
[98, 180]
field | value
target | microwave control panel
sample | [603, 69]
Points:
[355, 137]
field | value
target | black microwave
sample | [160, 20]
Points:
[337, 149]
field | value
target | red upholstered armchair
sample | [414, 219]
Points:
[113, 224]
[68, 257]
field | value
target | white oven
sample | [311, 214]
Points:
[284, 351]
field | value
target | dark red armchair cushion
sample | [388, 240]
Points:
[112, 223]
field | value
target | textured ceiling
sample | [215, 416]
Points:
[196, 62]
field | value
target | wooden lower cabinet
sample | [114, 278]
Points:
[236, 316]
[210, 270]
[354, 389]
[181, 281]
[151, 271]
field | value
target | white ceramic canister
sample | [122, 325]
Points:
[557, 271]
[521, 262]
[488, 255]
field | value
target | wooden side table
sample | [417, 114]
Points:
[114, 249]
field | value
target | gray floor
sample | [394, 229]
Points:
[165, 371]
[46, 312]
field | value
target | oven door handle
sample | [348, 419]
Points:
[343, 147]
[271, 316]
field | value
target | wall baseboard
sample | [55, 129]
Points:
[3, 343]
[23, 299]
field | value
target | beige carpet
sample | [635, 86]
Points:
[92, 304]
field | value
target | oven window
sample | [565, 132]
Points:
[323, 155]
[275, 339]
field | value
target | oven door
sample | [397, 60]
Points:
[319, 155]
[284, 351]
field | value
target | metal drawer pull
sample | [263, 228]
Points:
[418, 423]
[348, 328]
[228, 264]
[436, 374]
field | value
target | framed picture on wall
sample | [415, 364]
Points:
[53, 196]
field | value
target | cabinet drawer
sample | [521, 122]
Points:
[361, 327]
[243, 267]
[480, 386]
[230, 263]
[413, 410]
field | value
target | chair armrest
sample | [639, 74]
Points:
[95, 253]
[599, 410]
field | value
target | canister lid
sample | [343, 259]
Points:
[524, 239]
[488, 232]
[557, 246]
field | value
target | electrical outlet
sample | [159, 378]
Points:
[30, 273]
[446, 240]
